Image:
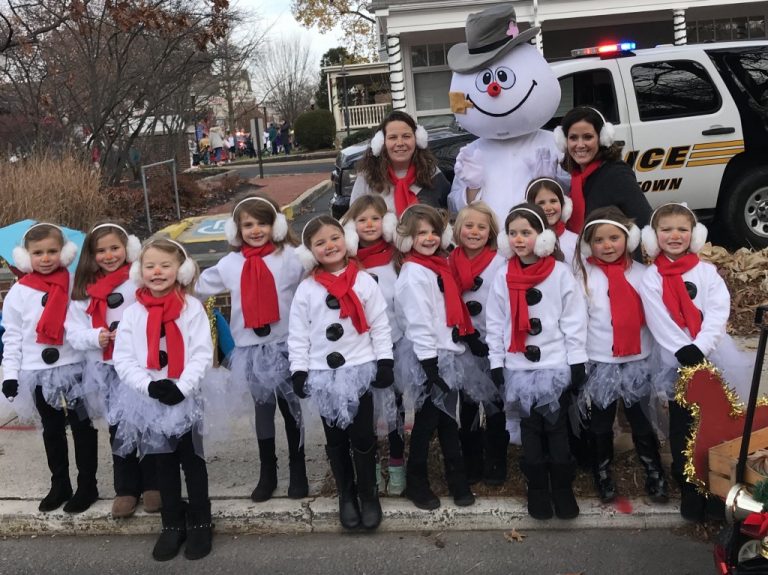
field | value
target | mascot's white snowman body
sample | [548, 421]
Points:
[502, 91]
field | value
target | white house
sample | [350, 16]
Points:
[415, 35]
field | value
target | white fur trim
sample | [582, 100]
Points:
[132, 249]
[68, 253]
[422, 137]
[560, 139]
[135, 274]
[545, 244]
[650, 241]
[187, 271]
[230, 231]
[279, 227]
[585, 249]
[567, 209]
[388, 227]
[21, 259]
[377, 143]
[607, 134]
[404, 244]
[698, 237]
[502, 245]
[306, 257]
[634, 238]
[351, 238]
[447, 237]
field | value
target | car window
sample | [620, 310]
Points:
[750, 66]
[673, 89]
[588, 88]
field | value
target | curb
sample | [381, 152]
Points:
[307, 197]
[320, 515]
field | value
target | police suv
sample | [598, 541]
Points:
[693, 121]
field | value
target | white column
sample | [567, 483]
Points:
[678, 23]
[396, 73]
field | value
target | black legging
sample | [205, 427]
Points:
[426, 420]
[132, 475]
[396, 441]
[680, 421]
[546, 437]
[359, 434]
[602, 419]
[195, 476]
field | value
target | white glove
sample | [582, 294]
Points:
[469, 168]
[542, 163]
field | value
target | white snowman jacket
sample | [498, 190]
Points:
[386, 276]
[477, 298]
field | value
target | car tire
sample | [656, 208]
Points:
[746, 209]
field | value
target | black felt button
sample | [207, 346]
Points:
[115, 300]
[335, 359]
[477, 284]
[332, 302]
[44, 300]
[534, 324]
[455, 335]
[532, 296]
[474, 307]
[50, 355]
[532, 353]
[262, 331]
[374, 276]
[334, 332]
[162, 330]
[113, 325]
[163, 357]
[440, 285]
[692, 290]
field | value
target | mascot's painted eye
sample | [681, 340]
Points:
[483, 79]
[505, 77]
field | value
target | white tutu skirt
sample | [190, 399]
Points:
[538, 389]
[337, 392]
[608, 382]
[62, 388]
[481, 389]
[225, 403]
[385, 416]
[100, 388]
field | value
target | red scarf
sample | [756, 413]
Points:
[163, 312]
[378, 254]
[465, 270]
[404, 197]
[97, 308]
[50, 327]
[673, 292]
[559, 228]
[627, 316]
[258, 295]
[340, 286]
[456, 312]
[578, 177]
[519, 279]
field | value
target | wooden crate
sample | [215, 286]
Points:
[722, 463]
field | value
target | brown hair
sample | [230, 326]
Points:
[170, 247]
[43, 231]
[263, 213]
[671, 210]
[363, 203]
[517, 213]
[480, 208]
[314, 225]
[409, 223]
[588, 232]
[589, 115]
[375, 168]
[87, 269]
[544, 183]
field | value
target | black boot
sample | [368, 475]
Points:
[693, 505]
[647, 448]
[417, 486]
[367, 491]
[496, 443]
[172, 536]
[472, 449]
[55, 441]
[341, 467]
[601, 469]
[561, 477]
[267, 471]
[199, 532]
[539, 497]
[458, 486]
[86, 445]
[298, 486]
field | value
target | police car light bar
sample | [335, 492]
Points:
[604, 49]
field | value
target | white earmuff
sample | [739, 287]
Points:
[68, 253]
[22, 260]
[132, 249]
[422, 137]
[134, 274]
[187, 271]
[585, 249]
[306, 257]
[633, 240]
[230, 231]
[279, 225]
[351, 237]
[698, 237]
[545, 243]
[388, 227]
[404, 244]
[560, 139]
[502, 245]
[566, 211]
[377, 143]
[650, 241]
[447, 238]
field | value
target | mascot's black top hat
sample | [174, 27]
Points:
[490, 34]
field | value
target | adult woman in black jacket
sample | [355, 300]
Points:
[599, 177]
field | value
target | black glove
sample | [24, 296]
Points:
[385, 375]
[578, 377]
[298, 379]
[477, 346]
[157, 389]
[497, 376]
[689, 355]
[433, 375]
[10, 388]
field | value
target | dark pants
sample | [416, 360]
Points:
[265, 419]
[546, 438]
[359, 434]
[132, 476]
[195, 476]
[396, 441]
[602, 420]
[85, 438]
[426, 420]
[680, 421]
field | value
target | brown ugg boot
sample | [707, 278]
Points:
[152, 502]
[124, 506]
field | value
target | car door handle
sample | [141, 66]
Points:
[719, 131]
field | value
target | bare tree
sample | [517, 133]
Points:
[287, 75]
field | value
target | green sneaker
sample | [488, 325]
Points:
[396, 485]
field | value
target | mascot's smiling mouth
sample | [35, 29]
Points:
[508, 112]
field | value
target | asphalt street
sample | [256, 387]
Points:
[586, 552]
[278, 168]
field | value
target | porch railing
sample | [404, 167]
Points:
[367, 116]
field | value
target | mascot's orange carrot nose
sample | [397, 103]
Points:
[459, 102]
[494, 89]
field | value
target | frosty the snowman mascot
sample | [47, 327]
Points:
[502, 91]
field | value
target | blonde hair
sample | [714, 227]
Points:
[480, 208]
[170, 247]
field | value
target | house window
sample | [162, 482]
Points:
[725, 29]
[431, 80]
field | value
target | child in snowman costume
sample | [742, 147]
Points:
[502, 91]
